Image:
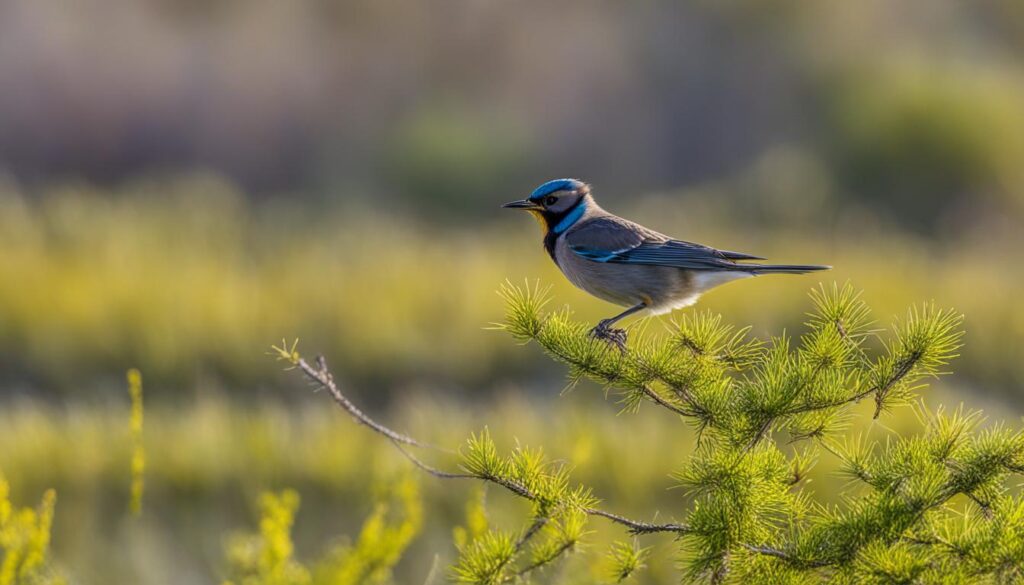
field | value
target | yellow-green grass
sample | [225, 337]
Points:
[207, 463]
[187, 281]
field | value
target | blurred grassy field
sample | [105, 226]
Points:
[191, 284]
[885, 139]
[207, 465]
[188, 281]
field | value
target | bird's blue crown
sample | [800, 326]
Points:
[556, 185]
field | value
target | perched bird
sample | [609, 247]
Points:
[627, 264]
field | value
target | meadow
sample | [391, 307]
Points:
[191, 283]
[208, 464]
[184, 184]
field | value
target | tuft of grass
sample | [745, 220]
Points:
[25, 540]
[138, 463]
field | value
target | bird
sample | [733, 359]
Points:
[627, 264]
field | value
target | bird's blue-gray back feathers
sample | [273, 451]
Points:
[611, 239]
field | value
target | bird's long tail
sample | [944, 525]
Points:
[784, 268]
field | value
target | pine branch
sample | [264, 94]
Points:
[636, 527]
[780, 554]
[544, 561]
[532, 531]
[750, 519]
[626, 559]
[322, 376]
[502, 557]
[657, 399]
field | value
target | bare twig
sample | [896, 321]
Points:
[428, 468]
[323, 377]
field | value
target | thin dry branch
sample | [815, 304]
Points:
[323, 377]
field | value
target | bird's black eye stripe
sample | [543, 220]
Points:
[551, 200]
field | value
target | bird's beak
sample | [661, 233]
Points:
[522, 204]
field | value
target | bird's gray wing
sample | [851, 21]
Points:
[617, 241]
[604, 237]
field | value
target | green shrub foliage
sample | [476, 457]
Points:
[267, 557]
[930, 508]
[25, 541]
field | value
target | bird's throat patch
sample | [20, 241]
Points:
[539, 216]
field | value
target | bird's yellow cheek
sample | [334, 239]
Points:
[540, 218]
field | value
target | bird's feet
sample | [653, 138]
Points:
[605, 332]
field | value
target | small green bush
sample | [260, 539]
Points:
[25, 541]
[931, 508]
[267, 557]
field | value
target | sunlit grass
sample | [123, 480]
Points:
[208, 464]
[187, 281]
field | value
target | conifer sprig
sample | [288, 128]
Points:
[560, 510]
[626, 558]
[747, 516]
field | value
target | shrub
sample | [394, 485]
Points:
[765, 410]
[25, 541]
[267, 557]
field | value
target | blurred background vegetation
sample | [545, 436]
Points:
[183, 183]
